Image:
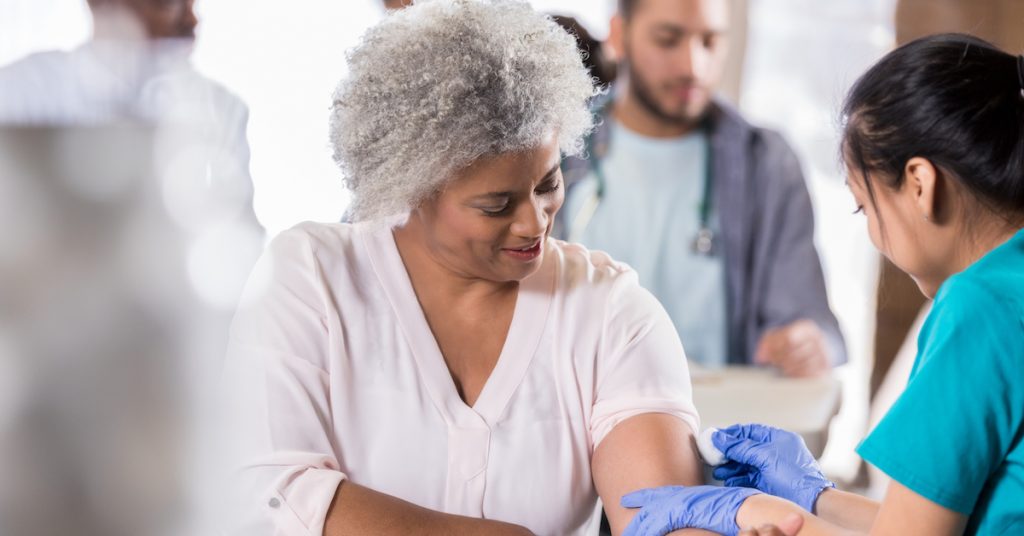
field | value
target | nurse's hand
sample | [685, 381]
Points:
[799, 349]
[669, 508]
[774, 461]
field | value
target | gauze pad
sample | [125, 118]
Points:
[712, 456]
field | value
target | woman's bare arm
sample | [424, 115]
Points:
[360, 510]
[645, 451]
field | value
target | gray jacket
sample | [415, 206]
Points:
[773, 274]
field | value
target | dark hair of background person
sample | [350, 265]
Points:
[594, 56]
[953, 99]
[626, 8]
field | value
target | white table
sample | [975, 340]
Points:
[758, 395]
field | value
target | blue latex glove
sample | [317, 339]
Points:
[774, 461]
[669, 508]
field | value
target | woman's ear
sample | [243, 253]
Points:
[922, 183]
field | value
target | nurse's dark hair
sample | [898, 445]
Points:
[953, 99]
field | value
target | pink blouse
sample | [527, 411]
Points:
[334, 374]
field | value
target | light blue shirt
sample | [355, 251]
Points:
[648, 218]
[956, 434]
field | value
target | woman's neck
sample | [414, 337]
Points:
[436, 280]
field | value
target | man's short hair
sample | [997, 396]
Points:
[626, 8]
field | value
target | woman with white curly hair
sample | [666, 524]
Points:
[441, 365]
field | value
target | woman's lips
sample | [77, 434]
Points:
[525, 254]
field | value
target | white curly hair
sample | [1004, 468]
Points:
[437, 85]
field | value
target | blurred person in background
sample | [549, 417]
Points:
[712, 212]
[136, 69]
[442, 365]
[596, 55]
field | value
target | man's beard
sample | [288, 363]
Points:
[644, 95]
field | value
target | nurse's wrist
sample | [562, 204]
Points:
[847, 510]
[822, 495]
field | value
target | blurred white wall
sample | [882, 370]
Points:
[30, 25]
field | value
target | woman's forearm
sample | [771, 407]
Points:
[847, 510]
[360, 510]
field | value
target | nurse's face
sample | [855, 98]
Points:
[492, 219]
[899, 232]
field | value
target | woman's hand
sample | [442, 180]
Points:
[772, 460]
[669, 508]
[787, 527]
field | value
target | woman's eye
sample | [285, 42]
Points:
[494, 211]
[860, 209]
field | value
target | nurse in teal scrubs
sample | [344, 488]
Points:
[934, 144]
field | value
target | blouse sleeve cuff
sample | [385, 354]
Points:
[608, 415]
[299, 504]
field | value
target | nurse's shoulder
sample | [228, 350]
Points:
[994, 283]
[978, 314]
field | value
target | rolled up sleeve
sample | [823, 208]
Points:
[277, 391]
[642, 367]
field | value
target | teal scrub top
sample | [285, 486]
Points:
[955, 434]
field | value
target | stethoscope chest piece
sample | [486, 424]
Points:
[704, 242]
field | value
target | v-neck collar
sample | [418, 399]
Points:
[529, 320]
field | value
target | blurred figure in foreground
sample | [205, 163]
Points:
[126, 233]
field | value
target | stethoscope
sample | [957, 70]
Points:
[704, 243]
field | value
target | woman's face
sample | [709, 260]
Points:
[492, 219]
[899, 230]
